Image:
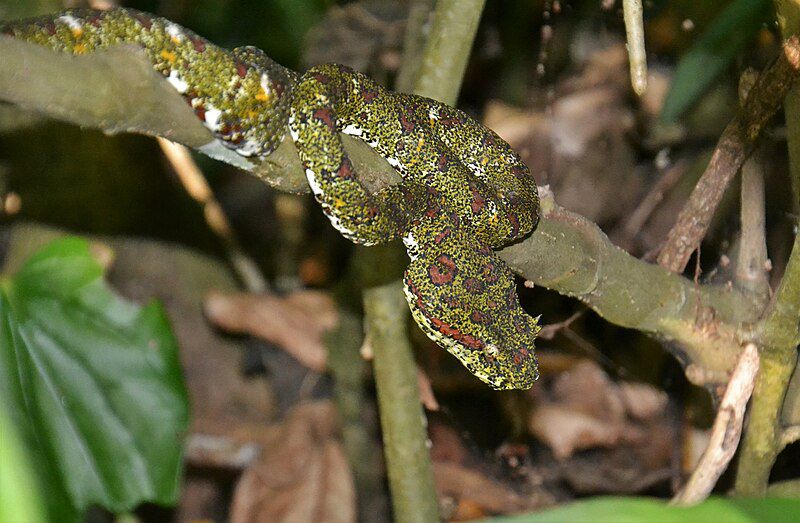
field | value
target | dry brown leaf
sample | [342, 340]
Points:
[296, 322]
[468, 486]
[565, 430]
[586, 388]
[584, 409]
[642, 402]
[466, 490]
[302, 476]
[620, 470]
[447, 445]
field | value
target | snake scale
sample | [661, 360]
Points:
[463, 190]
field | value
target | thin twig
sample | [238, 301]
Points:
[197, 187]
[779, 334]
[751, 260]
[426, 394]
[734, 146]
[726, 431]
[413, 44]
[633, 225]
[360, 444]
[402, 419]
[637, 57]
[549, 331]
[790, 435]
[455, 23]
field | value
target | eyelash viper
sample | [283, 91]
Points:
[464, 191]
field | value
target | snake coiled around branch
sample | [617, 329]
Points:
[464, 191]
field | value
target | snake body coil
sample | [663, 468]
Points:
[464, 191]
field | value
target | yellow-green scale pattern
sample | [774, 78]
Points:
[240, 95]
[464, 191]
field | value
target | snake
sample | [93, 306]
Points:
[463, 191]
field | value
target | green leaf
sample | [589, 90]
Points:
[92, 383]
[634, 510]
[712, 54]
[20, 495]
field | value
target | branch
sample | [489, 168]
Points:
[402, 420]
[751, 259]
[763, 440]
[778, 333]
[790, 435]
[567, 253]
[455, 23]
[636, 220]
[776, 402]
[413, 44]
[404, 437]
[571, 255]
[785, 489]
[363, 450]
[736, 143]
[117, 90]
[634, 29]
[788, 16]
[779, 330]
[726, 431]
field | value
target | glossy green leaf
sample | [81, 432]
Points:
[20, 495]
[635, 510]
[92, 383]
[713, 52]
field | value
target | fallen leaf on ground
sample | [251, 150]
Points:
[585, 409]
[295, 322]
[620, 470]
[302, 475]
[470, 488]
[623, 430]
[447, 445]
[201, 497]
[642, 402]
[466, 486]
[565, 430]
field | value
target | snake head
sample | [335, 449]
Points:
[504, 363]
[510, 364]
[465, 300]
